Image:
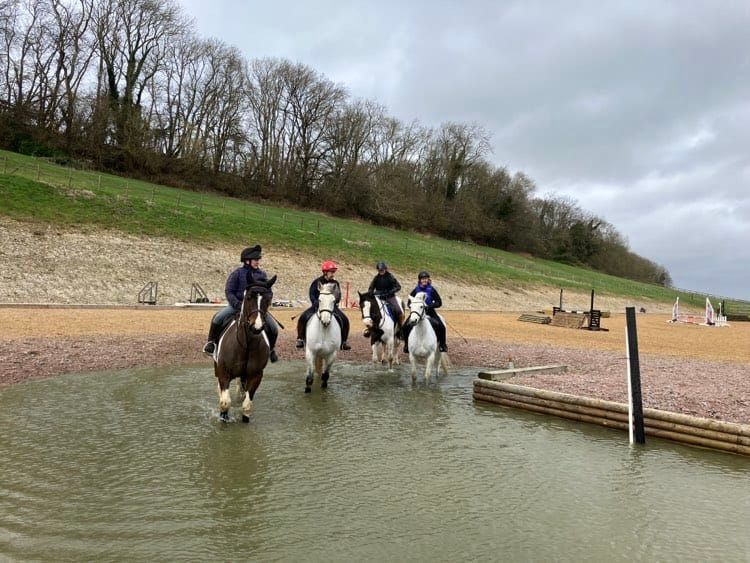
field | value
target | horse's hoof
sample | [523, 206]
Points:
[323, 384]
[308, 389]
[224, 416]
[245, 418]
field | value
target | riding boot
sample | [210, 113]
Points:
[344, 322]
[300, 333]
[213, 335]
[272, 332]
[440, 333]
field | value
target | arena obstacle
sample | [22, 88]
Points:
[703, 432]
[709, 318]
[587, 320]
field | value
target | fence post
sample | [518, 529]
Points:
[635, 402]
[38, 172]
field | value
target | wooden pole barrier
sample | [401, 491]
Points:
[635, 402]
[707, 433]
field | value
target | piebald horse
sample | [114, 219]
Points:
[322, 338]
[242, 351]
[382, 329]
[423, 344]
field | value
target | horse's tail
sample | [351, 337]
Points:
[319, 364]
[445, 362]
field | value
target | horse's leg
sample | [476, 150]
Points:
[241, 388]
[428, 367]
[309, 379]
[225, 401]
[413, 361]
[252, 385]
[389, 347]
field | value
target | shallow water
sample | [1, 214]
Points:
[135, 465]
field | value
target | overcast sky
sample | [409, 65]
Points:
[638, 110]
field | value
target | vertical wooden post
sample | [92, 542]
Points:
[38, 172]
[635, 401]
[561, 294]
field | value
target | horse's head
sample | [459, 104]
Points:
[417, 308]
[255, 304]
[326, 302]
[369, 308]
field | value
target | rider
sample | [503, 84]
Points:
[432, 301]
[386, 286]
[329, 271]
[234, 290]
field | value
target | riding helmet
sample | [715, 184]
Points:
[329, 266]
[423, 275]
[381, 266]
[250, 253]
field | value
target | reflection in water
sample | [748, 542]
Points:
[135, 465]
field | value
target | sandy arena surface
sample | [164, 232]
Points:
[703, 371]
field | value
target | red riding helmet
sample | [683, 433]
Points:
[329, 266]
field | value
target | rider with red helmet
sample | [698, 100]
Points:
[328, 268]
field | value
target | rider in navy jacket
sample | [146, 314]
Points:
[432, 301]
[234, 290]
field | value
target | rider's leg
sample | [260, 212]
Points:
[405, 333]
[302, 326]
[398, 313]
[344, 322]
[439, 327]
[217, 324]
[272, 331]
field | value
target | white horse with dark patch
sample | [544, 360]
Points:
[423, 343]
[322, 338]
[382, 329]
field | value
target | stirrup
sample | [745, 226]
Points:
[300, 343]
[345, 345]
[273, 357]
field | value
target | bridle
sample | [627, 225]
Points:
[420, 315]
[321, 310]
[244, 322]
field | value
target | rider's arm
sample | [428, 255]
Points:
[436, 301]
[314, 292]
[230, 289]
[396, 286]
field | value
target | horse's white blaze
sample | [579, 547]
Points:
[258, 318]
[366, 318]
[247, 405]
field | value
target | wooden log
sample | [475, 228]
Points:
[608, 414]
[714, 434]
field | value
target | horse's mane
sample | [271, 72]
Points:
[419, 296]
[327, 288]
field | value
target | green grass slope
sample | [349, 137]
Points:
[33, 189]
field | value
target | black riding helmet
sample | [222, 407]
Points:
[250, 253]
[381, 266]
[423, 275]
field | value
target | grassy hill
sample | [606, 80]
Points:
[37, 190]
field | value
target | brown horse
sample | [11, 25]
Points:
[243, 349]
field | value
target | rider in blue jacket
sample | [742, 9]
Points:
[234, 290]
[432, 301]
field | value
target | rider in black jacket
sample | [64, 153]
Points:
[329, 270]
[386, 286]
